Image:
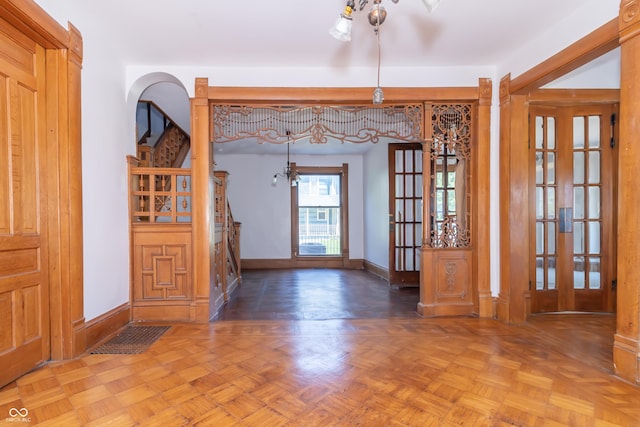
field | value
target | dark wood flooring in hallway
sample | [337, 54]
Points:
[318, 294]
[339, 363]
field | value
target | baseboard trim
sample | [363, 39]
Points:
[311, 262]
[107, 324]
[376, 269]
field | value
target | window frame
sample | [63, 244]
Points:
[329, 261]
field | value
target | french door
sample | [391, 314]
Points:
[405, 213]
[572, 152]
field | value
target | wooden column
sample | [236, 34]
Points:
[514, 215]
[482, 259]
[202, 188]
[626, 348]
[64, 189]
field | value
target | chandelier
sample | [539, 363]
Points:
[287, 172]
[341, 30]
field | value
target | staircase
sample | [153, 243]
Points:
[161, 233]
[161, 143]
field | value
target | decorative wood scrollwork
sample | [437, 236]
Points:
[283, 124]
[450, 157]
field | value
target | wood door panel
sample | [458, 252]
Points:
[24, 323]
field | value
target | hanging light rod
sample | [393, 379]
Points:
[341, 30]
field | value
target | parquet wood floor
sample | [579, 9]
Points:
[397, 371]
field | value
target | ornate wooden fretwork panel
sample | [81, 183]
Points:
[447, 255]
[282, 124]
[450, 186]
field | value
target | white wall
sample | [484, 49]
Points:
[106, 141]
[265, 210]
[173, 99]
[376, 205]
[592, 15]
[108, 135]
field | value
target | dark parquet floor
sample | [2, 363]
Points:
[318, 294]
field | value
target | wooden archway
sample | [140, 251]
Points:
[202, 163]
[514, 104]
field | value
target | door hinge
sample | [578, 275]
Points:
[614, 284]
[612, 143]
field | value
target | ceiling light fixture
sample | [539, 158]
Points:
[341, 30]
[287, 173]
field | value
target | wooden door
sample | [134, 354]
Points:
[572, 151]
[405, 213]
[24, 316]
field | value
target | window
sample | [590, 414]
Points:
[318, 199]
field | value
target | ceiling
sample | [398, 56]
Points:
[292, 33]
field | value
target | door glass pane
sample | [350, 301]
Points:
[578, 237]
[551, 168]
[399, 186]
[578, 167]
[539, 168]
[594, 131]
[409, 261]
[594, 202]
[539, 273]
[539, 132]
[551, 203]
[578, 202]
[578, 132]
[594, 167]
[540, 238]
[408, 210]
[399, 162]
[409, 190]
[539, 202]
[551, 133]
[551, 238]
[595, 280]
[578, 272]
[551, 272]
[594, 237]
[408, 240]
[409, 162]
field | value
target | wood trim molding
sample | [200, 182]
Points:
[595, 44]
[482, 200]
[629, 20]
[32, 20]
[302, 95]
[626, 348]
[202, 183]
[376, 269]
[312, 262]
[574, 96]
[104, 326]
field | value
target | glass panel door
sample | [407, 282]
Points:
[405, 213]
[573, 235]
